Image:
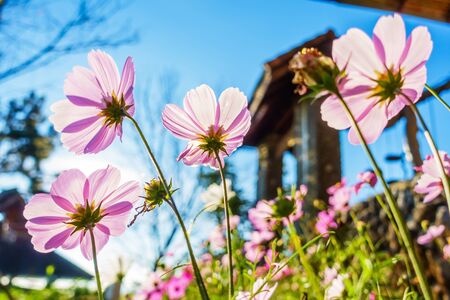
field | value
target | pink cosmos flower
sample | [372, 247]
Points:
[234, 222]
[329, 274]
[332, 189]
[216, 239]
[208, 125]
[97, 101]
[339, 201]
[325, 222]
[77, 203]
[382, 73]
[253, 251]
[368, 177]
[446, 252]
[260, 291]
[432, 233]
[298, 209]
[261, 216]
[430, 183]
[176, 287]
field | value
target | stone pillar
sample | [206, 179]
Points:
[317, 150]
[270, 168]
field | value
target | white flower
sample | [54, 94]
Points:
[260, 291]
[213, 196]
[336, 288]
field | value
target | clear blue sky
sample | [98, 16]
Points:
[225, 43]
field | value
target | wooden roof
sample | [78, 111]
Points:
[273, 99]
[431, 9]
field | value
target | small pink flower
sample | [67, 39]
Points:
[97, 101]
[432, 233]
[298, 209]
[325, 222]
[368, 177]
[253, 251]
[176, 287]
[217, 239]
[382, 73]
[75, 203]
[430, 183]
[234, 222]
[339, 201]
[260, 291]
[208, 125]
[332, 189]
[329, 274]
[261, 216]
[446, 252]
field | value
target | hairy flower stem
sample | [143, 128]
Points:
[171, 202]
[404, 232]
[227, 217]
[312, 278]
[436, 95]
[426, 132]
[97, 273]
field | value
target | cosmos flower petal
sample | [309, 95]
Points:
[200, 104]
[390, 31]
[127, 82]
[77, 141]
[102, 139]
[355, 52]
[334, 114]
[40, 204]
[41, 234]
[82, 88]
[416, 81]
[129, 191]
[371, 126]
[72, 241]
[417, 50]
[80, 125]
[105, 70]
[100, 238]
[69, 185]
[233, 104]
[102, 182]
[66, 113]
[116, 224]
[58, 239]
[118, 208]
[178, 122]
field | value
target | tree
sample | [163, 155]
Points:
[34, 33]
[26, 139]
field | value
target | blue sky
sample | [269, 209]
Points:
[225, 43]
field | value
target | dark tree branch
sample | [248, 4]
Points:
[86, 22]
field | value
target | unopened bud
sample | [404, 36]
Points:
[313, 70]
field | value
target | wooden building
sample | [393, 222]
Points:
[431, 9]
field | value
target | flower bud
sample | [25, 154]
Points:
[314, 71]
[155, 194]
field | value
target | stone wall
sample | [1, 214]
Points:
[415, 212]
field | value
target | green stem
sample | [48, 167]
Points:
[171, 202]
[228, 228]
[312, 278]
[436, 95]
[397, 233]
[404, 232]
[97, 273]
[426, 132]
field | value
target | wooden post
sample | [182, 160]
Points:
[270, 168]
